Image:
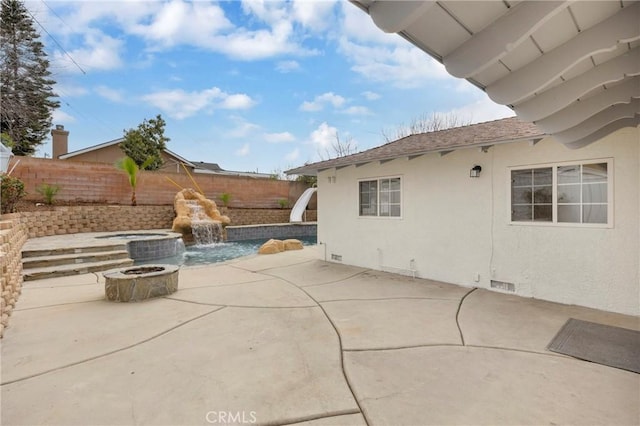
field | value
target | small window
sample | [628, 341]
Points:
[380, 197]
[567, 193]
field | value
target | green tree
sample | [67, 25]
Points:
[27, 99]
[145, 144]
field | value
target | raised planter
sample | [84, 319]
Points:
[138, 283]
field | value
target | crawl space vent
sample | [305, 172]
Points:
[502, 285]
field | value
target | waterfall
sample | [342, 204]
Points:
[203, 228]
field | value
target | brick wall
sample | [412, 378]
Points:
[13, 235]
[103, 183]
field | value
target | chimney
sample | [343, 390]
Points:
[60, 141]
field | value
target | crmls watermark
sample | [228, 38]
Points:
[231, 417]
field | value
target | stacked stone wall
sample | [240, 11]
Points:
[13, 235]
[74, 219]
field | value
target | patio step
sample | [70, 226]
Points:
[72, 259]
[72, 250]
[74, 269]
[61, 262]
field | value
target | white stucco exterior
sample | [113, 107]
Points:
[457, 229]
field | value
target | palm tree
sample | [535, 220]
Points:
[129, 166]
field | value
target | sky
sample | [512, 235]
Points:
[251, 85]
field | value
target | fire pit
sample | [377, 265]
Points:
[137, 283]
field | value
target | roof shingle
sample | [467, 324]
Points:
[481, 134]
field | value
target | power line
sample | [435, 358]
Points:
[56, 41]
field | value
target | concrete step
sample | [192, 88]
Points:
[73, 250]
[73, 269]
[72, 259]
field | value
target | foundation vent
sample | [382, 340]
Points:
[336, 257]
[504, 286]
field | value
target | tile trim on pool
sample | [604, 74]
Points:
[277, 230]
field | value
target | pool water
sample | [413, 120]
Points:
[220, 252]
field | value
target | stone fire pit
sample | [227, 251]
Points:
[137, 283]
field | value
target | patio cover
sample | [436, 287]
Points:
[570, 67]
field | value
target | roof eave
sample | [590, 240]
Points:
[313, 170]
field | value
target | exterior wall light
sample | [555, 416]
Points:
[475, 171]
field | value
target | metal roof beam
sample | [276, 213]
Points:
[563, 95]
[602, 119]
[499, 38]
[604, 131]
[580, 111]
[603, 37]
[395, 16]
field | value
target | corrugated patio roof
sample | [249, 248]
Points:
[475, 135]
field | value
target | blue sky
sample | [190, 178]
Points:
[251, 85]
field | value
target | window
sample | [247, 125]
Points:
[562, 193]
[380, 197]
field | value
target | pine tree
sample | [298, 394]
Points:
[27, 99]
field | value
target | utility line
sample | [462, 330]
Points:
[56, 41]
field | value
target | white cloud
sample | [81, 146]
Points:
[370, 96]
[60, 117]
[180, 104]
[293, 155]
[313, 14]
[237, 101]
[323, 136]
[99, 52]
[241, 128]
[113, 95]
[482, 109]
[382, 57]
[357, 110]
[321, 101]
[287, 66]
[279, 137]
[401, 66]
[69, 91]
[178, 22]
[243, 151]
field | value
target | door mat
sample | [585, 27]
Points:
[603, 344]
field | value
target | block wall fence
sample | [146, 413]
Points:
[103, 183]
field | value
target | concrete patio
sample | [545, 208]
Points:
[290, 339]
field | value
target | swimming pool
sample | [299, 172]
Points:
[219, 252]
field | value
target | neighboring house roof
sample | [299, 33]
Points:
[214, 168]
[475, 135]
[115, 142]
[571, 67]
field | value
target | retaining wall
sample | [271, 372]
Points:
[13, 235]
[73, 219]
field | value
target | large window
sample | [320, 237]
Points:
[562, 193]
[380, 197]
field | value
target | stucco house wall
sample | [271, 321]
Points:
[457, 229]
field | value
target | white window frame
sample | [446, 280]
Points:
[554, 209]
[377, 215]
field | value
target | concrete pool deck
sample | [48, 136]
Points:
[291, 339]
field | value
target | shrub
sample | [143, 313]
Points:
[12, 190]
[48, 192]
[225, 197]
[283, 203]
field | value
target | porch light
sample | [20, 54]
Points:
[475, 171]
